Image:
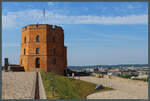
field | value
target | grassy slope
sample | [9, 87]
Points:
[67, 88]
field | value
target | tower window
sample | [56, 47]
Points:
[54, 51]
[37, 62]
[54, 39]
[54, 61]
[37, 38]
[24, 39]
[53, 27]
[37, 26]
[21, 61]
[24, 51]
[37, 50]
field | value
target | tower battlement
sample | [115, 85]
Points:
[44, 26]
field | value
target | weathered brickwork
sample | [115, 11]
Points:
[42, 49]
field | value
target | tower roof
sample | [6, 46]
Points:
[34, 26]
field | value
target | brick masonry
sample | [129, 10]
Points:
[52, 52]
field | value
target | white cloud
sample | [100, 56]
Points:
[50, 3]
[130, 7]
[21, 18]
[8, 22]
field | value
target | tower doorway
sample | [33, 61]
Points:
[37, 62]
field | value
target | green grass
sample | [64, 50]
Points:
[144, 79]
[127, 76]
[67, 88]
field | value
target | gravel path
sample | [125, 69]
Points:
[18, 85]
[124, 88]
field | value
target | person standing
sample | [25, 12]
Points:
[68, 74]
[73, 75]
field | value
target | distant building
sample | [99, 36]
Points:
[113, 72]
[101, 69]
[15, 68]
[89, 70]
[142, 76]
[143, 72]
[12, 67]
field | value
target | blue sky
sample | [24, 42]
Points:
[95, 32]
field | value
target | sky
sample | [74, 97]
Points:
[106, 33]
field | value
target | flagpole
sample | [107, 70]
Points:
[44, 15]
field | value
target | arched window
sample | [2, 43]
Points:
[54, 39]
[54, 61]
[54, 51]
[37, 50]
[24, 51]
[24, 39]
[37, 62]
[37, 38]
[21, 62]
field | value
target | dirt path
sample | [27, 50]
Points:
[124, 88]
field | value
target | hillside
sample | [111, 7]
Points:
[67, 88]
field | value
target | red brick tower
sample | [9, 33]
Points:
[42, 49]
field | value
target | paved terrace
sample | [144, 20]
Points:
[124, 88]
[18, 85]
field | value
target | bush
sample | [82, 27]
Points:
[126, 76]
[144, 79]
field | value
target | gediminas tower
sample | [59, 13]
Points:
[42, 49]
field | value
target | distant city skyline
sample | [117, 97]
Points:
[106, 33]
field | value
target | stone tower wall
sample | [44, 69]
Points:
[50, 38]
